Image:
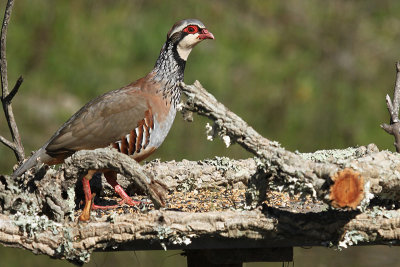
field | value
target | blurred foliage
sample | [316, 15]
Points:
[310, 74]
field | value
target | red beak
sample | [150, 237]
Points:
[205, 34]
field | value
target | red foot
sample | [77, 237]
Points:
[125, 198]
[89, 205]
[129, 202]
[112, 180]
[97, 207]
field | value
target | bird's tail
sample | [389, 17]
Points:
[39, 156]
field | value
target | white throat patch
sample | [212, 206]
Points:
[183, 52]
[186, 44]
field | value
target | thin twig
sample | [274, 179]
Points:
[6, 97]
[14, 91]
[390, 109]
[393, 107]
[396, 96]
[7, 143]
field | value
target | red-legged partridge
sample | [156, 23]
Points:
[134, 119]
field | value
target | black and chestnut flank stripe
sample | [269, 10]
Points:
[138, 138]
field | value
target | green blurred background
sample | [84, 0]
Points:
[309, 74]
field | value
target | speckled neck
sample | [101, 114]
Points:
[169, 69]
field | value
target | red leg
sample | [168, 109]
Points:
[85, 216]
[86, 187]
[89, 197]
[111, 177]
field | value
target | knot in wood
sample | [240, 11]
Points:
[347, 189]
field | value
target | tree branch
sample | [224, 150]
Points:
[357, 192]
[228, 123]
[11, 145]
[82, 161]
[249, 218]
[318, 174]
[14, 91]
[394, 127]
[6, 97]
[56, 232]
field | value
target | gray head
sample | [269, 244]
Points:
[187, 33]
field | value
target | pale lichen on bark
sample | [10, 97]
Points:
[300, 172]
[38, 209]
[46, 213]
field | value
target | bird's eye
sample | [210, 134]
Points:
[191, 29]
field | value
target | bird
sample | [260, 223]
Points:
[134, 119]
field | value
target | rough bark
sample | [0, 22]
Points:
[182, 230]
[38, 209]
[311, 173]
[358, 190]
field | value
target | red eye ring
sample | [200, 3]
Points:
[191, 29]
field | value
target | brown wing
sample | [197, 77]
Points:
[100, 122]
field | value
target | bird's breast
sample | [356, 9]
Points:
[162, 127]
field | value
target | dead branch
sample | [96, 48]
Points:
[324, 173]
[6, 96]
[82, 161]
[297, 172]
[185, 230]
[394, 127]
[56, 232]
[358, 191]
